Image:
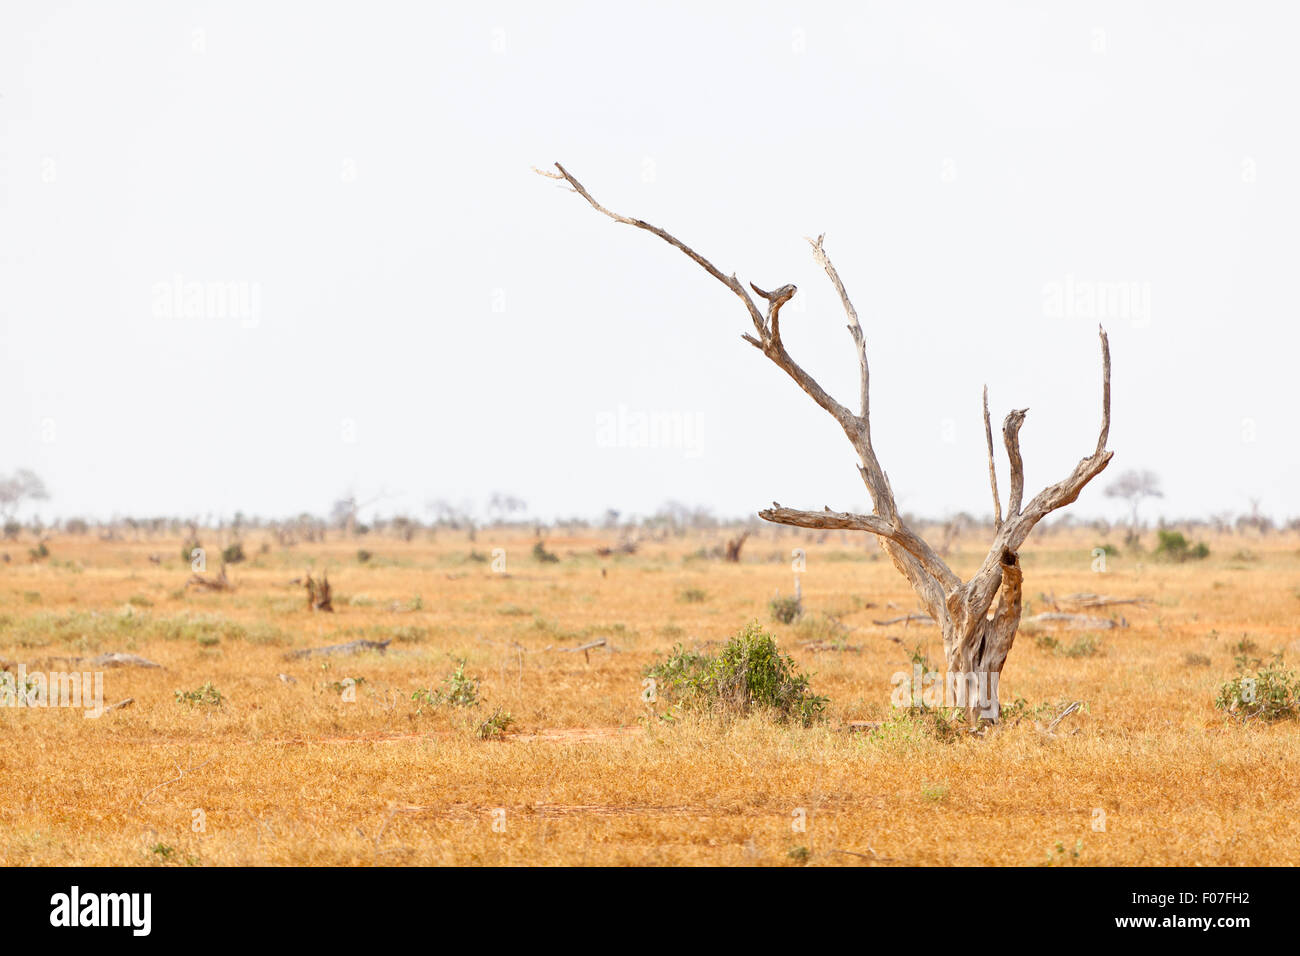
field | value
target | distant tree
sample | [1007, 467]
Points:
[1133, 486]
[21, 486]
[1255, 521]
[503, 507]
[345, 512]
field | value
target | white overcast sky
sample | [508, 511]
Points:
[433, 320]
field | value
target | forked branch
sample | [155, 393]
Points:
[729, 281]
[898, 533]
[938, 585]
[993, 472]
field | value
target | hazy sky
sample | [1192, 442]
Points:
[258, 254]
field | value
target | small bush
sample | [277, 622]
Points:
[1175, 547]
[749, 674]
[363, 555]
[694, 596]
[1085, 645]
[1268, 694]
[934, 792]
[234, 554]
[495, 726]
[785, 609]
[205, 696]
[541, 554]
[460, 690]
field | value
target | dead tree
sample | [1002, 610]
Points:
[318, 593]
[979, 617]
[734, 545]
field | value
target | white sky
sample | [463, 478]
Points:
[363, 170]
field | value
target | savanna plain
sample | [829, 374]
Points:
[503, 717]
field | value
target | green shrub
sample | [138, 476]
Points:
[461, 690]
[234, 553]
[1268, 694]
[934, 792]
[207, 695]
[750, 674]
[785, 609]
[541, 554]
[495, 726]
[1085, 645]
[1175, 547]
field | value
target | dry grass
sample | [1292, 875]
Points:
[292, 773]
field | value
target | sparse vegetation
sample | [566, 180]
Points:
[205, 696]
[749, 674]
[1173, 546]
[495, 726]
[505, 643]
[458, 690]
[785, 609]
[1265, 693]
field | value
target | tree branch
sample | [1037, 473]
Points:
[1011, 436]
[897, 532]
[981, 589]
[993, 473]
[774, 302]
[729, 281]
[914, 558]
[855, 330]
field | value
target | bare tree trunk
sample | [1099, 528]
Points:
[734, 545]
[977, 634]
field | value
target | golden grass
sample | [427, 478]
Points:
[291, 773]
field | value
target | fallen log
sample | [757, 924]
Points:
[219, 583]
[906, 618]
[1076, 621]
[1100, 600]
[118, 659]
[582, 647]
[351, 647]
